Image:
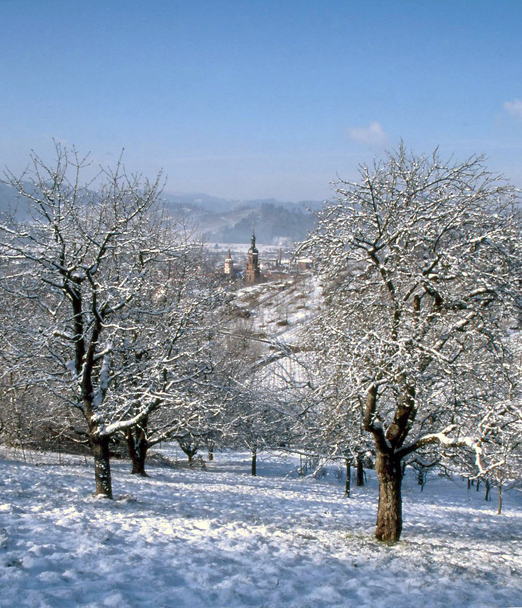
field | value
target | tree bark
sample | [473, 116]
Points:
[389, 511]
[102, 466]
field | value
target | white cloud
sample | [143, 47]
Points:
[371, 135]
[514, 108]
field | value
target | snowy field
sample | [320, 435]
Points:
[221, 538]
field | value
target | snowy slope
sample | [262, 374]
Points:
[280, 309]
[220, 538]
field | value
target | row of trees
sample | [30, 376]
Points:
[112, 328]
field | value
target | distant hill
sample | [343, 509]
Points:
[231, 221]
[218, 219]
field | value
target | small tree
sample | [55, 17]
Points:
[174, 351]
[420, 266]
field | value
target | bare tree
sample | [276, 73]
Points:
[97, 273]
[175, 352]
[420, 267]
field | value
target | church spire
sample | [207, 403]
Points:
[252, 272]
[253, 239]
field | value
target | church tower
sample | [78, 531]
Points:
[229, 265]
[252, 272]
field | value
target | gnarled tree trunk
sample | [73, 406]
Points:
[389, 511]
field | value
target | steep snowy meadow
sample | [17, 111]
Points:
[217, 537]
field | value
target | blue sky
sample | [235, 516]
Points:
[260, 98]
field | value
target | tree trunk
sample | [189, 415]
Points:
[487, 483]
[347, 486]
[102, 466]
[138, 447]
[389, 511]
[499, 510]
[138, 465]
[254, 462]
[360, 471]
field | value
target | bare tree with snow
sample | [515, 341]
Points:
[420, 265]
[102, 278]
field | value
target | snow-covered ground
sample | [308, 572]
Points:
[221, 538]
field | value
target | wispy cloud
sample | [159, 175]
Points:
[514, 108]
[371, 135]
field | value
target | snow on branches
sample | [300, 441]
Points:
[107, 313]
[420, 265]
